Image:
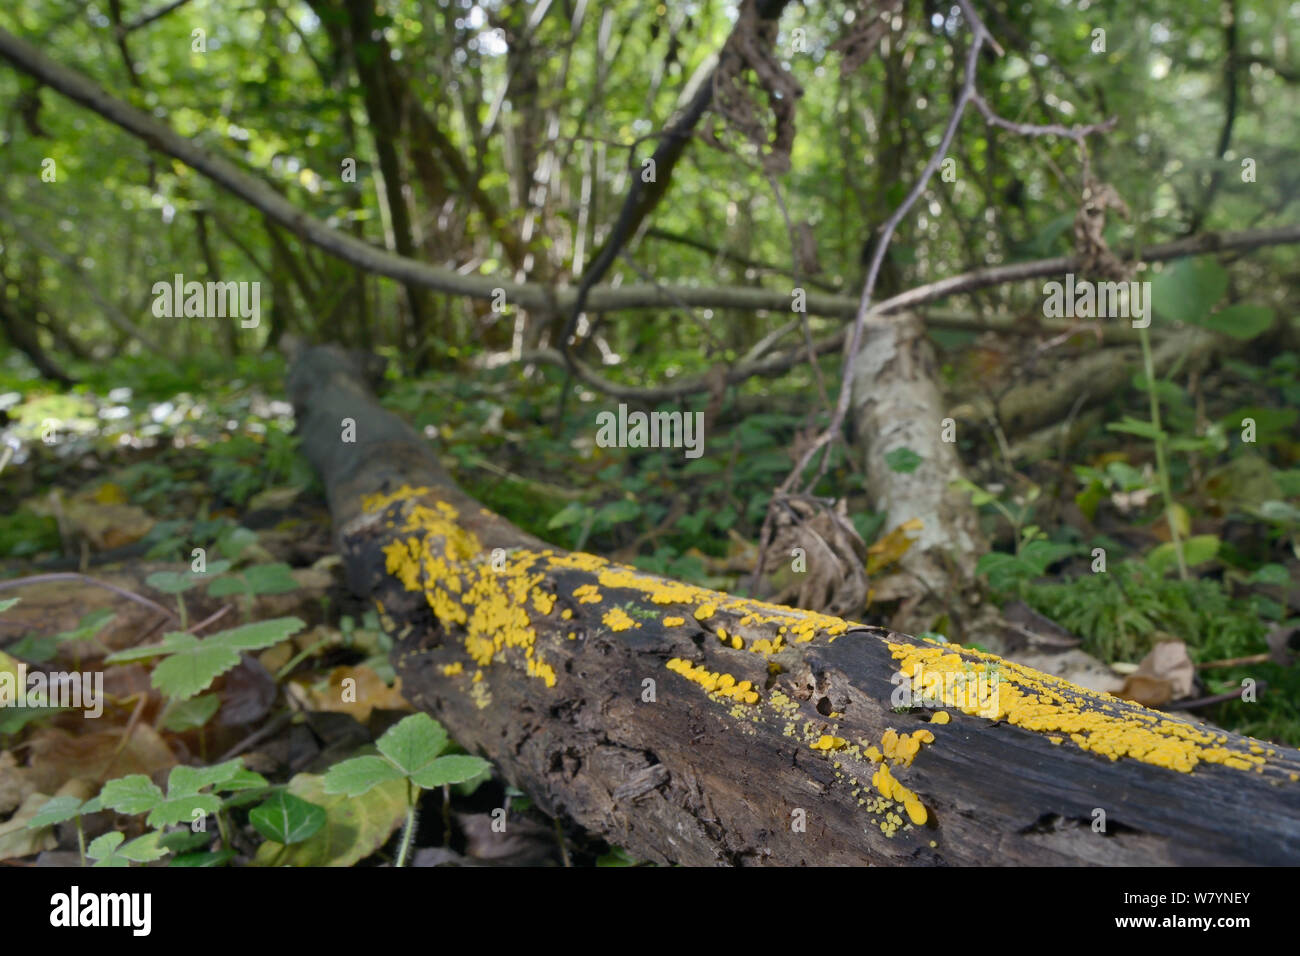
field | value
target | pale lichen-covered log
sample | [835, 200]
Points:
[695, 727]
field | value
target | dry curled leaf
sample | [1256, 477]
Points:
[834, 579]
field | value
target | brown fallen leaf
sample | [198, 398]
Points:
[366, 692]
[58, 756]
[15, 783]
[1166, 673]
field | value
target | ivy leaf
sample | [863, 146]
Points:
[287, 819]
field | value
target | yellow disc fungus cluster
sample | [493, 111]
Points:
[984, 685]
[723, 685]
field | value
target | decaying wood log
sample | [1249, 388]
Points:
[693, 727]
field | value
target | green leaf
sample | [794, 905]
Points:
[355, 827]
[904, 461]
[184, 840]
[287, 819]
[1242, 321]
[1137, 427]
[8, 603]
[413, 743]
[133, 794]
[354, 777]
[110, 851]
[182, 809]
[144, 849]
[101, 849]
[270, 579]
[1196, 550]
[456, 768]
[244, 780]
[205, 858]
[1187, 290]
[1271, 574]
[172, 582]
[571, 513]
[55, 811]
[183, 780]
[192, 664]
[88, 626]
[191, 714]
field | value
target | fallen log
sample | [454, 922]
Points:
[693, 727]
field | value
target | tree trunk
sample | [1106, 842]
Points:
[607, 695]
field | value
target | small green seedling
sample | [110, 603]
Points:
[410, 749]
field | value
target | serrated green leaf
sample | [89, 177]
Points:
[174, 810]
[172, 582]
[287, 819]
[413, 743]
[56, 810]
[456, 768]
[143, 849]
[242, 781]
[193, 664]
[102, 847]
[131, 795]
[183, 780]
[356, 776]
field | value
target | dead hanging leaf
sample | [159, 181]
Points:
[859, 39]
[1089, 226]
[829, 576]
[749, 52]
[1165, 674]
[355, 691]
[891, 547]
[58, 756]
